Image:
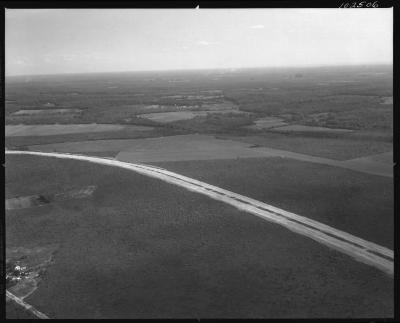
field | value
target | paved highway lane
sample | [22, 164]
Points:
[145, 248]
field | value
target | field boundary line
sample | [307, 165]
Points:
[362, 250]
[26, 306]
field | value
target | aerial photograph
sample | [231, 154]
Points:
[199, 163]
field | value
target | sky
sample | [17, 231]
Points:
[56, 41]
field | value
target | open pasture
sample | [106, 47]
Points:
[200, 147]
[301, 128]
[58, 129]
[32, 112]
[166, 117]
[267, 123]
[337, 147]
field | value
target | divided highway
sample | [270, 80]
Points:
[360, 249]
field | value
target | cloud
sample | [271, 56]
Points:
[69, 57]
[257, 27]
[49, 57]
[206, 43]
[203, 43]
[20, 61]
[55, 57]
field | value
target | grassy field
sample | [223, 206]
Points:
[355, 97]
[360, 204]
[23, 142]
[153, 250]
[339, 147]
[332, 148]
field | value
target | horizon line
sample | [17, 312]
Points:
[207, 69]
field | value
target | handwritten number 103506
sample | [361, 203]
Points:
[361, 4]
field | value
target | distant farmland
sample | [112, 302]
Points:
[102, 238]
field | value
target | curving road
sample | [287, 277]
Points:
[360, 249]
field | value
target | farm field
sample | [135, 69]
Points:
[57, 129]
[332, 148]
[301, 128]
[126, 133]
[33, 112]
[267, 123]
[317, 142]
[158, 250]
[351, 113]
[338, 148]
[204, 147]
[201, 147]
[166, 117]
